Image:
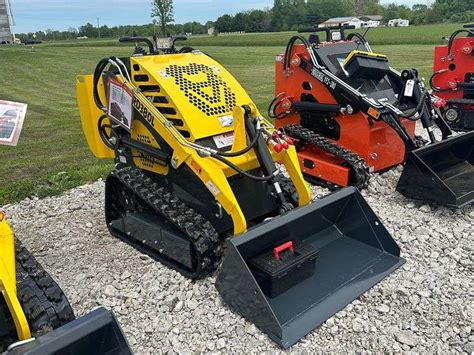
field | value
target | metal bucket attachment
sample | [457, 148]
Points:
[95, 333]
[340, 250]
[441, 172]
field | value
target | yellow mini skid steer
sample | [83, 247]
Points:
[197, 165]
[35, 315]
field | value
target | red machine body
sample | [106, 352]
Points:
[374, 141]
[453, 78]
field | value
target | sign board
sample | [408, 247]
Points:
[12, 115]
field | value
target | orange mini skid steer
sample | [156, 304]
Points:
[351, 114]
[453, 78]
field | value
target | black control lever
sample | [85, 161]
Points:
[328, 30]
[151, 47]
[175, 39]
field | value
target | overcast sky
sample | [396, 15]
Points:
[34, 15]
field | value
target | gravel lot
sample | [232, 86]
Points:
[426, 306]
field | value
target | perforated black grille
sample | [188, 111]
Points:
[187, 77]
[146, 159]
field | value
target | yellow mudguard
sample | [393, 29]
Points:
[90, 115]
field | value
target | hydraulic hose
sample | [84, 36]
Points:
[257, 137]
[240, 171]
[216, 155]
[409, 114]
[243, 151]
[453, 37]
[97, 74]
[289, 49]
[358, 36]
[432, 85]
[274, 105]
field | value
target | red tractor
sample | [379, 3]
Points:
[453, 78]
[351, 114]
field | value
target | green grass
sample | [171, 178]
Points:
[52, 155]
[427, 34]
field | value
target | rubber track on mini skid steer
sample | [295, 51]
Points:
[358, 166]
[7, 327]
[44, 303]
[289, 190]
[207, 243]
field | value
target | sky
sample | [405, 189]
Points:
[35, 15]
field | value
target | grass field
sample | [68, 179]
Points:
[428, 34]
[52, 155]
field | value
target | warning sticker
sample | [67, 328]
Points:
[196, 167]
[120, 104]
[213, 188]
[409, 87]
[279, 58]
[226, 121]
[224, 140]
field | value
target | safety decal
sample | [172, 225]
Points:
[120, 104]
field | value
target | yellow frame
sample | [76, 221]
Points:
[8, 279]
[210, 171]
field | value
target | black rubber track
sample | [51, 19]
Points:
[42, 300]
[360, 173]
[289, 190]
[7, 327]
[141, 192]
[44, 303]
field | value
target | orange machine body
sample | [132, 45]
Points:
[374, 141]
[456, 68]
[453, 81]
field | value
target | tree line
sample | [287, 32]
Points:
[91, 31]
[283, 16]
[293, 14]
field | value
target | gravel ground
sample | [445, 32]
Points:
[426, 306]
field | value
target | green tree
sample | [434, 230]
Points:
[225, 23]
[88, 30]
[241, 22]
[318, 11]
[365, 7]
[420, 14]
[164, 11]
[259, 21]
[280, 15]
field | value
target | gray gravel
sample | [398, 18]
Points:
[426, 306]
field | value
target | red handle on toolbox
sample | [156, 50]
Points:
[285, 246]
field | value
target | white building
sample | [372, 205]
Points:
[370, 21]
[357, 22]
[340, 21]
[6, 23]
[398, 22]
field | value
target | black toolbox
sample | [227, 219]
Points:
[279, 269]
[365, 65]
